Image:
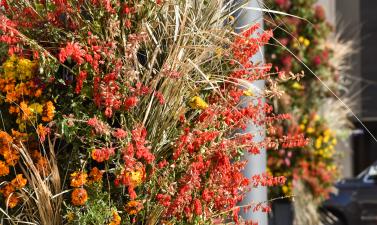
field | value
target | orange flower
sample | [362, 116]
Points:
[7, 190]
[26, 112]
[40, 162]
[11, 156]
[116, 219]
[5, 138]
[18, 135]
[49, 112]
[133, 207]
[13, 201]
[135, 177]
[42, 132]
[19, 182]
[38, 93]
[4, 169]
[79, 196]
[78, 179]
[95, 175]
[14, 110]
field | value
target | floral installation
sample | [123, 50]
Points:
[126, 112]
[309, 48]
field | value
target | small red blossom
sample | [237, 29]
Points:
[119, 133]
[131, 102]
[73, 50]
[103, 154]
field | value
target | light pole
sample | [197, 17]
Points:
[256, 164]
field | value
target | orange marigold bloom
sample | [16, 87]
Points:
[25, 110]
[4, 169]
[7, 190]
[14, 110]
[133, 207]
[19, 182]
[79, 196]
[13, 201]
[116, 219]
[78, 179]
[95, 175]
[11, 156]
[38, 93]
[136, 177]
[49, 112]
[5, 138]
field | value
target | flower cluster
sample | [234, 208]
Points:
[314, 163]
[144, 117]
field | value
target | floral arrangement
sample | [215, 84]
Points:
[308, 47]
[126, 112]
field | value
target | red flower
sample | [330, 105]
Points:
[104, 154]
[197, 207]
[320, 13]
[80, 80]
[131, 102]
[317, 60]
[72, 50]
[120, 133]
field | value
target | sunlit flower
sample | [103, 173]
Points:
[78, 179]
[12, 201]
[19, 182]
[49, 112]
[198, 103]
[79, 196]
[116, 220]
[133, 207]
[95, 175]
[7, 190]
[4, 169]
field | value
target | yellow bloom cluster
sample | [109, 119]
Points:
[304, 41]
[198, 103]
[324, 139]
[22, 94]
[325, 144]
[19, 68]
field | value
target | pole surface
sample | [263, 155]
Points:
[256, 163]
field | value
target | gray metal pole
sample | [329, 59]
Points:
[256, 163]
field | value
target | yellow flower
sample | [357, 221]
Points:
[70, 216]
[334, 141]
[301, 39]
[306, 42]
[318, 143]
[326, 138]
[136, 177]
[302, 126]
[36, 108]
[296, 85]
[248, 93]
[198, 103]
[219, 52]
[285, 189]
[25, 69]
[9, 68]
[310, 130]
